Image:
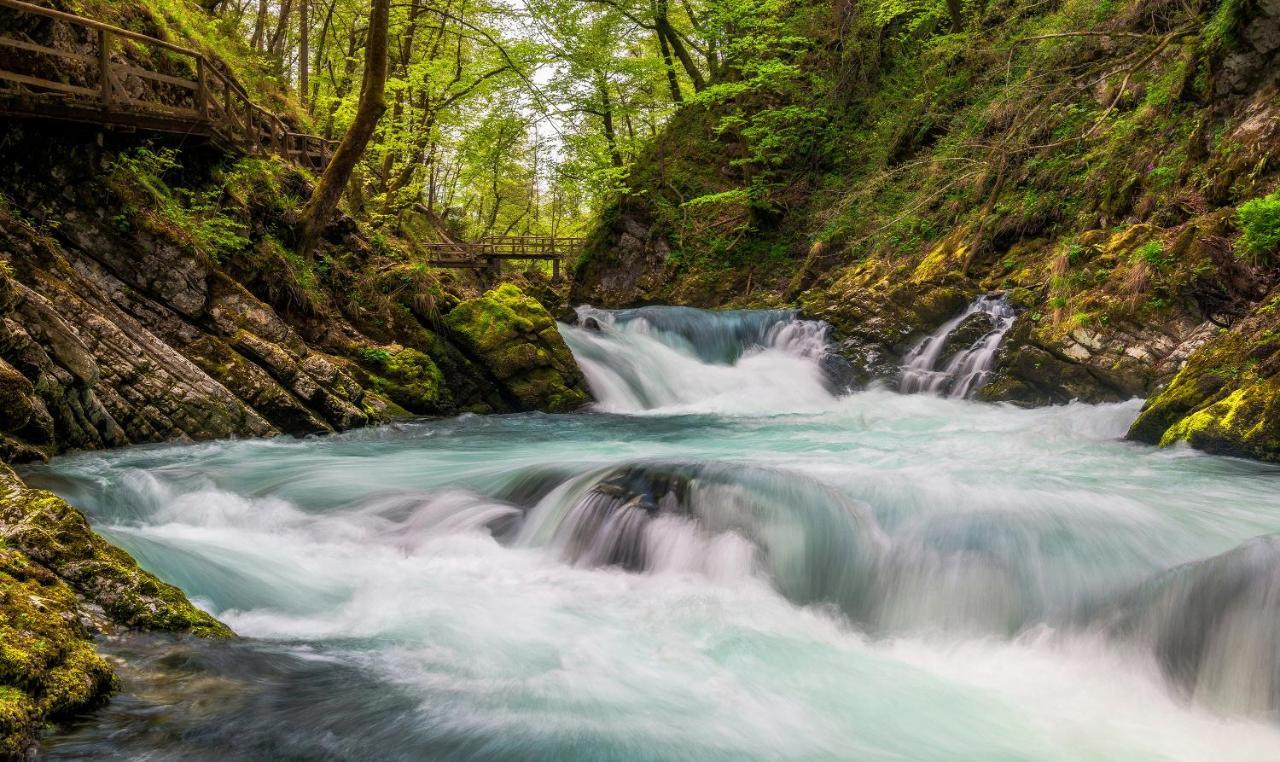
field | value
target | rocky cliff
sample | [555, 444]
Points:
[147, 294]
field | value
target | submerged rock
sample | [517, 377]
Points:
[60, 583]
[515, 339]
[1214, 627]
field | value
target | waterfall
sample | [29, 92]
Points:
[680, 359]
[956, 360]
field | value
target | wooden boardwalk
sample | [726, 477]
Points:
[178, 91]
[488, 254]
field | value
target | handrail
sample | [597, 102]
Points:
[229, 112]
[72, 18]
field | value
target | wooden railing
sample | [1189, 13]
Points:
[192, 97]
[490, 252]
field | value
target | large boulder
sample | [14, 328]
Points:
[515, 339]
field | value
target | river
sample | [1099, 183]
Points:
[729, 558]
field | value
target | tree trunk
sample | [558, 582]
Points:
[324, 199]
[665, 29]
[304, 52]
[259, 26]
[274, 46]
[606, 117]
[673, 80]
[956, 8]
[314, 95]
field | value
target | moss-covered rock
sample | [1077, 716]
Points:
[410, 378]
[59, 584]
[57, 536]
[514, 337]
[1226, 399]
[48, 668]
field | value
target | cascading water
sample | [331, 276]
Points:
[957, 359]
[870, 576]
[678, 359]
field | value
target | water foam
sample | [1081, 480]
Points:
[674, 360]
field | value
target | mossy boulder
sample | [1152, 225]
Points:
[408, 377]
[48, 668]
[515, 339]
[60, 583]
[55, 535]
[1226, 399]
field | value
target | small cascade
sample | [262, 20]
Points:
[957, 359]
[680, 359]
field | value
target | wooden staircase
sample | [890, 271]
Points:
[180, 92]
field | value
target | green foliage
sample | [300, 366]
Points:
[1259, 221]
[195, 215]
[1220, 32]
[409, 377]
[1153, 253]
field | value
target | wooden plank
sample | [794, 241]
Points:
[34, 48]
[231, 113]
[202, 88]
[147, 74]
[159, 108]
[22, 79]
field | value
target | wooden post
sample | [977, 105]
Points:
[226, 105]
[555, 268]
[202, 90]
[104, 67]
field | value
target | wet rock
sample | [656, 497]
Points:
[1226, 399]
[970, 331]
[60, 583]
[1213, 627]
[516, 340]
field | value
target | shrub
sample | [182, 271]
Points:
[1260, 222]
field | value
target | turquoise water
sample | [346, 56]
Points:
[734, 563]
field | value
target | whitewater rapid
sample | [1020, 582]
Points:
[742, 566]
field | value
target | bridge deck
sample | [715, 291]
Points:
[490, 252]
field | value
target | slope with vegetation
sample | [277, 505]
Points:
[1112, 167]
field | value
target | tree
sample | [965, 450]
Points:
[324, 199]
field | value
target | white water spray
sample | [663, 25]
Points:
[682, 360]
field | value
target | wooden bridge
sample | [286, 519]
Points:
[178, 91]
[488, 253]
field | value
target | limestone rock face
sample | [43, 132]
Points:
[515, 339]
[1104, 365]
[1226, 399]
[60, 583]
